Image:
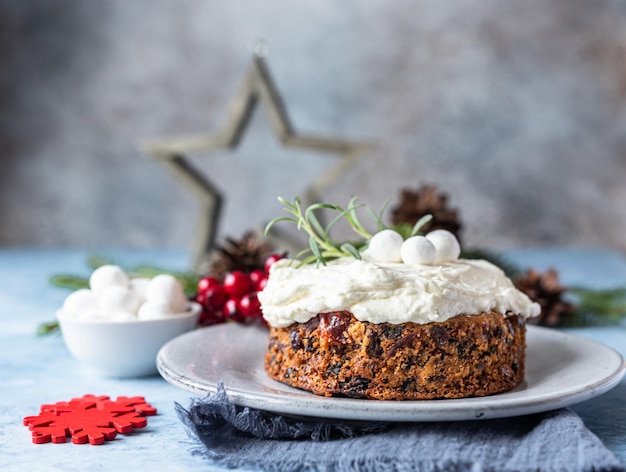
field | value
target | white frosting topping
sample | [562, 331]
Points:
[390, 292]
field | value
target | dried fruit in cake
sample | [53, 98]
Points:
[334, 354]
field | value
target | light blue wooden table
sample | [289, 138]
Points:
[34, 371]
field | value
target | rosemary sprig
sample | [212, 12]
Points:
[321, 247]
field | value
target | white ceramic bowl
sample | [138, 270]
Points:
[123, 348]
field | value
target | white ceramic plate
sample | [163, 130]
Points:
[561, 370]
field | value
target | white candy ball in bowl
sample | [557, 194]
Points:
[107, 275]
[139, 285]
[153, 310]
[116, 298]
[448, 247]
[117, 327]
[125, 347]
[81, 302]
[167, 289]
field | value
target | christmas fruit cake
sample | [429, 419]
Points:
[397, 319]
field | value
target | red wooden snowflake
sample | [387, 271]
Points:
[88, 419]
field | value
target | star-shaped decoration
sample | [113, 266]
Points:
[257, 89]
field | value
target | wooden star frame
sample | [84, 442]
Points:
[257, 89]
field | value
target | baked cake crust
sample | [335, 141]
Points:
[334, 354]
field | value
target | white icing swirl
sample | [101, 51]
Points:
[390, 292]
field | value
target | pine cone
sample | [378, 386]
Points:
[545, 290]
[247, 254]
[426, 200]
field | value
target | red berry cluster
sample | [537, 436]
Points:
[234, 298]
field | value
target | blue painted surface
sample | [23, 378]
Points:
[35, 370]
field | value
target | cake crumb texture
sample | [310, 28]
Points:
[334, 354]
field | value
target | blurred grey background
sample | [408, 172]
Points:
[517, 110]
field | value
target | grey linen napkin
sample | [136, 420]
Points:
[236, 437]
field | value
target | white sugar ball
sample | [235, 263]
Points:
[448, 247]
[139, 286]
[79, 302]
[152, 310]
[384, 246]
[418, 250]
[115, 298]
[167, 289]
[107, 275]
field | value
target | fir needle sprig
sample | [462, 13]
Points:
[321, 247]
[597, 306]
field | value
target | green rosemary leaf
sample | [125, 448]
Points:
[71, 282]
[286, 203]
[315, 248]
[321, 245]
[374, 217]
[404, 229]
[420, 223]
[309, 260]
[380, 225]
[319, 206]
[353, 218]
[276, 220]
[379, 218]
[314, 222]
[337, 219]
[347, 247]
[301, 253]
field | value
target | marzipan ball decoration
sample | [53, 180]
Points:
[446, 244]
[385, 246]
[418, 250]
[437, 247]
